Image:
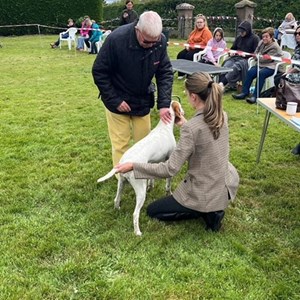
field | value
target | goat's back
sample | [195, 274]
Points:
[155, 147]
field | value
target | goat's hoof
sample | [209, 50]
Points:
[138, 233]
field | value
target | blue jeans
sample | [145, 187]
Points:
[251, 75]
[80, 42]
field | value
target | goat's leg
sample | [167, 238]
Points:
[140, 186]
[119, 192]
[168, 186]
[150, 184]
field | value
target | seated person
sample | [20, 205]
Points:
[294, 71]
[200, 35]
[269, 46]
[95, 37]
[84, 32]
[217, 41]
[288, 23]
[246, 41]
[65, 34]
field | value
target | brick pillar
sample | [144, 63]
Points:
[245, 11]
[185, 19]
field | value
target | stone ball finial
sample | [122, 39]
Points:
[244, 3]
[184, 6]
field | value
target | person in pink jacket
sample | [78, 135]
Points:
[85, 32]
[211, 56]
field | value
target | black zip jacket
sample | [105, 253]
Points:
[123, 71]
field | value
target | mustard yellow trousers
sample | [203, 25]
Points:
[122, 129]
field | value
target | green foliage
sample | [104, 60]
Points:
[61, 237]
[45, 12]
[267, 9]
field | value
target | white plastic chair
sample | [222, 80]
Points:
[270, 80]
[198, 56]
[100, 42]
[288, 39]
[72, 37]
[105, 34]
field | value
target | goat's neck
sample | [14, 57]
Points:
[168, 125]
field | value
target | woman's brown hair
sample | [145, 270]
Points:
[201, 83]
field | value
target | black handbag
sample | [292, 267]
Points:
[287, 92]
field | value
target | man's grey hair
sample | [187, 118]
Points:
[150, 23]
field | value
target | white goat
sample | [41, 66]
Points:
[153, 148]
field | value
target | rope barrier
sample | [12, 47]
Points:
[240, 53]
[227, 50]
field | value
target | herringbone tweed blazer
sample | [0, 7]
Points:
[211, 180]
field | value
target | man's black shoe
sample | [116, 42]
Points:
[251, 100]
[239, 96]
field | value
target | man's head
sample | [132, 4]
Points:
[129, 4]
[148, 29]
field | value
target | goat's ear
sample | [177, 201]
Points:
[177, 109]
[174, 105]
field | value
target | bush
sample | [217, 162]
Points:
[52, 13]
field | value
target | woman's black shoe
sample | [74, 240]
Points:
[213, 220]
[239, 96]
[296, 150]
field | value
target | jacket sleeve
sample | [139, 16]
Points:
[206, 36]
[172, 166]
[102, 69]
[164, 81]
[209, 53]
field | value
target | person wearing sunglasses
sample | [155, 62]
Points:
[130, 57]
[293, 73]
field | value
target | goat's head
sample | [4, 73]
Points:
[177, 110]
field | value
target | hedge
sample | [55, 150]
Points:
[45, 12]
[273, 10]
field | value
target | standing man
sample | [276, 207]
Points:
[129, 15]
[127, 62]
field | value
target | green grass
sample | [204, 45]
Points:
[61, 237]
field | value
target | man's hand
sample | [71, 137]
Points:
[124, 107]
[124, 168]
[165, 116]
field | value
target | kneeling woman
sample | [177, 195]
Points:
[211, 180]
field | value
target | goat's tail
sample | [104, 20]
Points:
[108, 175]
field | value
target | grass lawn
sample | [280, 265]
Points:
[61, 237]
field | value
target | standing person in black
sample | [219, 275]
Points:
[128, 15]
[246, 41]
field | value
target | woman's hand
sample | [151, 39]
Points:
[124, 168]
